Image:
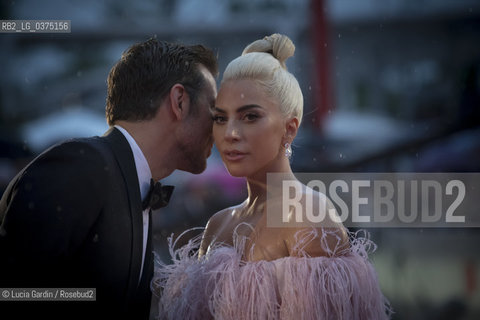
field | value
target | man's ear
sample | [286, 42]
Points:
[291, 129]
[179, 101]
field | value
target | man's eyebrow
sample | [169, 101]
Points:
[241, 109]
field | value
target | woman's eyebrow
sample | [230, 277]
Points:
[241, 109]
[217, 109]
[212, 104]
[248, 107]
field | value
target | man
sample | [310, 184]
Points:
[73, 218]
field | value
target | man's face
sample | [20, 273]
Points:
[196, 140]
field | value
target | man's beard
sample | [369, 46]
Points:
[194, 161]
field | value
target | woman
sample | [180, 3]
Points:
[243, 269]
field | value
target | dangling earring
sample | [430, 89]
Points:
[288, 150]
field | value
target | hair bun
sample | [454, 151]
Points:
[278, 45]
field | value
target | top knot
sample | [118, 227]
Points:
[278, 45]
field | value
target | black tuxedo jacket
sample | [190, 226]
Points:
[73, 219]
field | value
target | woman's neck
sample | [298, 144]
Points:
[257, 184]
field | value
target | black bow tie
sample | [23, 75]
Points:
[158, 196]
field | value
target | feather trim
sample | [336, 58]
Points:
[342, 285]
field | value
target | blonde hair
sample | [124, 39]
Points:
[264, 62]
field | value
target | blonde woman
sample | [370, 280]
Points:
[242, 268]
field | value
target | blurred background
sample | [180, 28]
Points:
[389, 86]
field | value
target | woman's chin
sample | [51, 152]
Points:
[236, 172]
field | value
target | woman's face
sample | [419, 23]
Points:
[248, 128]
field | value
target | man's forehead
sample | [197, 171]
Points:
[210, 79]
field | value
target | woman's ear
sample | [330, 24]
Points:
[291, 129]
[179, 101]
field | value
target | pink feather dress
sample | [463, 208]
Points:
[220, 285]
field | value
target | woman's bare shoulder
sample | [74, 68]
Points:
[321, 233]
[218, 218]
[214, 224]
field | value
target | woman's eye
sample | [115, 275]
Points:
[219, 119]
[251, 117]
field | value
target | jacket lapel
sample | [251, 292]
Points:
[125, 159]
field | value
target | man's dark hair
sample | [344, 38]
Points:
[146, 72]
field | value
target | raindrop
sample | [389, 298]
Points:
[339, 36]
[242, 96]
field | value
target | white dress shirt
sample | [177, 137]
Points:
[144, 175]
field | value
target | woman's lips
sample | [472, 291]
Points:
[234, 155]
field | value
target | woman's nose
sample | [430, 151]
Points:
[232, 131]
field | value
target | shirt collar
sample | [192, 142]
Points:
[143, 169]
